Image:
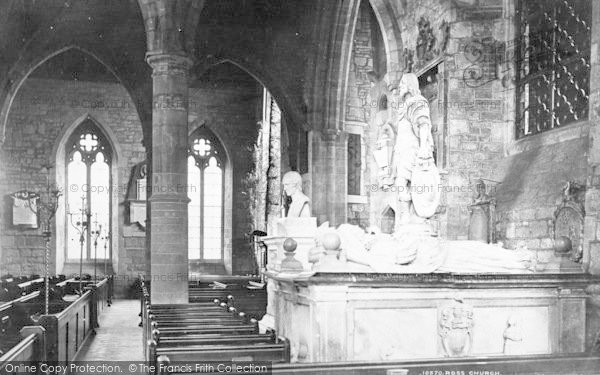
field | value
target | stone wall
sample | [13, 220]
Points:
[532, 185]
[467, 117]
[42, 110]
[359, 109]
[536, 168]
[591, 248]
[474, 118]
[232, 110]
[475, 112]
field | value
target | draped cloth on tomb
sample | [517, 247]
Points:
[381, 253]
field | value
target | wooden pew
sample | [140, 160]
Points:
[248, 298]
[29, 350]
[81, 316]
[102, 298]
[18, 312]
[205, 332]
[14, 315]
[207, 281]
[68, 330]
[272, 352]
[228, 322]
[208, 339]
[15, 287]
[253, 303]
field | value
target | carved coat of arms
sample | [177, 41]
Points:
[455, 329]
[568, 218]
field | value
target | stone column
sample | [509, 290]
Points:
[168, 204]
[274, 172]
[591, 236]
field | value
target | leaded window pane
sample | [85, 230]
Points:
[553, 64]
[205, 191]
[100, 200]
[77, 181]
[88, 177]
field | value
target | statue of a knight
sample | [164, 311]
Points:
[416, 177]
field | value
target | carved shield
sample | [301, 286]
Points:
[425, 188]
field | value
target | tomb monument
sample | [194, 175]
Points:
[366, 295]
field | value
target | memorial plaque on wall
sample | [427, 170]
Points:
[24, 208]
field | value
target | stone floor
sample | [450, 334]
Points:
[119, 338]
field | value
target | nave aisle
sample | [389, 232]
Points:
[118, 338]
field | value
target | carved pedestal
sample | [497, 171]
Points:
[303, 232]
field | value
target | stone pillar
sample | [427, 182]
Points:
[169, 201]
[591, 237]
[274, 172]
[329, 176]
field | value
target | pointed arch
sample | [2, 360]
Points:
[63, 152]
[388, 219]
[210, 190]
[386, 15]
[215, 147]
[285, 102]
[31, 61]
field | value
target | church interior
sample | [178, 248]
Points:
[301, 186]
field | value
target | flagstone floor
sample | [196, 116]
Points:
[118, 338]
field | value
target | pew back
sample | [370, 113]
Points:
[29, 349]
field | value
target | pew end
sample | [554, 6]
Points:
[163, 362]
[155, 336]
[151, 351]
[40, 334]
[254, 322]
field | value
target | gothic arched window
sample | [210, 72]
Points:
[206, 160]
[88, 160]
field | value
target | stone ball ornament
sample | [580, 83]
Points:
[290, 264]
[331, 241]
[290, 245]
[562, 245]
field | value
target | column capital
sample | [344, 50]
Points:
[333, 135]
[168, 63]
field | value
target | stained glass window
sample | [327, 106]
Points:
[205, 191]
[88, 195]
[553, 64]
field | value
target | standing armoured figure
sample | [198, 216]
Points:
[415, 171]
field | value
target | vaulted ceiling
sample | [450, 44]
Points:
[277, 42]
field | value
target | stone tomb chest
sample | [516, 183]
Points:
[368, 317]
